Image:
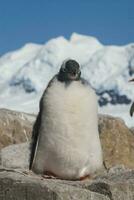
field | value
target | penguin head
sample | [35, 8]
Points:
[69, 71]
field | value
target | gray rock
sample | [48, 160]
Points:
[15, 127]
[120, 184]
[115, 185]
[15, 186]
[15, 156]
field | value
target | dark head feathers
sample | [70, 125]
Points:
[69, 71]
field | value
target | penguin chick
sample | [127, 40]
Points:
[65, 139]
[132, 106]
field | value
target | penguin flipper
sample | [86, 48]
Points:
[36, 127]
[132, 109]
[35, 135]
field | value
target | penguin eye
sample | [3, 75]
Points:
[64, 69]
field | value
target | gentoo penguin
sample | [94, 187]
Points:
[132, 106]
[65, 135]
[132, 109]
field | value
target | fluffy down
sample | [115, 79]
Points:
[68, 144]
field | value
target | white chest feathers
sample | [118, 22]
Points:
[69, 144]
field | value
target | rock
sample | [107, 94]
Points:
[14, 185]
[16, 156]
[115, 185]
[132, 129]
[117, 142]
[118, 185]
[15, 127]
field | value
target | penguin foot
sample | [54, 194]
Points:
[49, 175]
[83, 178]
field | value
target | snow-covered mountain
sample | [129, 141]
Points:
[24, 73]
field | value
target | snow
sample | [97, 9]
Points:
[25, 73]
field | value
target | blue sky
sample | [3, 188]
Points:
[23, 21]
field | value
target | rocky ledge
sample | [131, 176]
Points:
[117, 184]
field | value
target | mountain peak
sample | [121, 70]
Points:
[77, 38]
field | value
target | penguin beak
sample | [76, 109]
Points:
[131, 80]
[72, 76]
